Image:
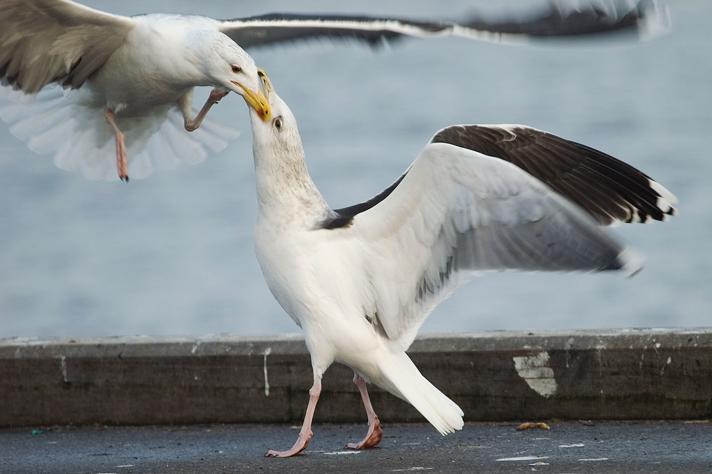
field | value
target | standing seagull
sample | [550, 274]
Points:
[361, 280]
[137, 74]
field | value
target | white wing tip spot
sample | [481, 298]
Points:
[632, 262]
[666, 200]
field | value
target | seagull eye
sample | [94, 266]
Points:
[277, 123]
[236, 69]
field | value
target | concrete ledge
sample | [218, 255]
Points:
[622, 374]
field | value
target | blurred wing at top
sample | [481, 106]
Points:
[556, 20]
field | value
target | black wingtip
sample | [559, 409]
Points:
[336, 221]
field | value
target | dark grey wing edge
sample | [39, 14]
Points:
[605, 187]
[275, 28]
[554, 21]
[344, 217]
[598, 17]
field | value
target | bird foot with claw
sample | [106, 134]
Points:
[299, 446]
[373, 437]
[122, 162]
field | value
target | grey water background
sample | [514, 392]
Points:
[173, 254]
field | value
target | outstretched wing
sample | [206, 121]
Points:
[46, 41]
[553, 21]
[607, 188]
[457, 211]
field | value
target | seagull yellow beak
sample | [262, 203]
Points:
[257, 101]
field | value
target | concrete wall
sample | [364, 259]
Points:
[624, 374]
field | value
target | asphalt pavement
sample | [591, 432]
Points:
[601, 447]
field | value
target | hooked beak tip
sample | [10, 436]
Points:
[257, 101]
[266, 83]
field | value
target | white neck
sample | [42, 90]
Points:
[285, 191]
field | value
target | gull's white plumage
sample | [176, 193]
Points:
[143, 69]
[155, 139]
[360, 289]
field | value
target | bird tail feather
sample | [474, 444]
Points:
[68, 126]
[402, 378]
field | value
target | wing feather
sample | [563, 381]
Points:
[551, 21]
[46, 41]
[607, 188]
[458, 211]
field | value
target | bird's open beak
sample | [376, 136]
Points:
[257, 101]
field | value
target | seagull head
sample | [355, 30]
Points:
[280, 135]
[231, 68]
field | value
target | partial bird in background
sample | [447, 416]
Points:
[135, 75]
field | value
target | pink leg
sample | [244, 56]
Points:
[375, 433]
[305, 434]
[122, 165]
[214, 97]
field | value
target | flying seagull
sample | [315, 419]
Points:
[361, 280]
[136, 75]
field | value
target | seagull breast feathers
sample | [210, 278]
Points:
[46, 41]
[458, 211]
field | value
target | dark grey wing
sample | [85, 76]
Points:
[276, 28]
[607, 188]
[564, 20]
[344, 217]
[553, 21]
